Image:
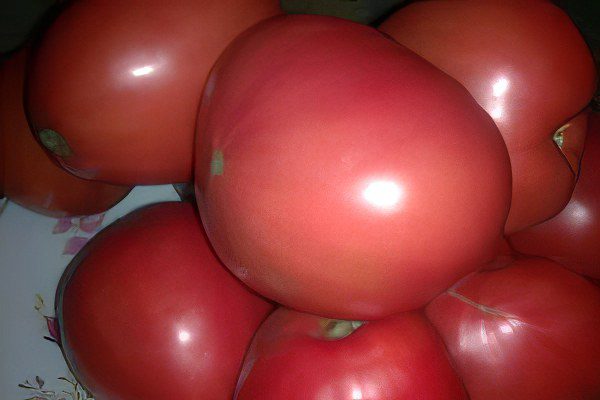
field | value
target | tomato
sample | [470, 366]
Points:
[296, 356]
[527, 331]
[28, 176]
[572, 237]
[327, 183]
[146, 311]
[529, 68]
[504, 257]
[114, 86]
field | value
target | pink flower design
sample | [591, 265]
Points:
[62, 225]
[74, 244]
[53, 329]
[91, 223]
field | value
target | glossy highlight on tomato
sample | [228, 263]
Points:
[28, 176]
[146, 311]
[114, 87]
[572, 237]
[336, 170]
[527, 65]
[296, 356]
[525, 332]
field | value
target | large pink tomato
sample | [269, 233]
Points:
[146, 311]
[114, 86]
[339, 173]
[529, 68]
[572, 238]
[297, 356]
[525, 332]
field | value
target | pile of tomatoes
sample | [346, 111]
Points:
[408, 211]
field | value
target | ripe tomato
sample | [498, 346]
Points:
[28, 176]
[512, 57]
[336, 170]
[297, 356]
[505, 256]
[572, 238]
[525, 332]
[146, 311]
[114, 86]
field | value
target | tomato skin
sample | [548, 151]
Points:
[504, 257]
[511, 58]
[401, 357]
[120, 82]
[28, 176]
[146, 311]
[314, 196]
[538, 338]
[571, 238]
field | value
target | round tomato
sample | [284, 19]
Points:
[114, 86]
[529, 68]
[28, 176]
[297, 356]
[572, 237]
[146, 311]
[525, 332]
[340, 174]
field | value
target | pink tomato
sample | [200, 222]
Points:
[572, 238]
[341, 174]
[114, 86]
[146, 311]
[527, 65]
[525, 332]
[296, 356]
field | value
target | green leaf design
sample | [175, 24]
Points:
[39, 303]
[25, 386]
[74, 392]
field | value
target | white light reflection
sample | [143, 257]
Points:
[499, 87]
[506, 328]
[496, 112]
[483, 334]
[145, 70]
[383, 194]
[357, 394]
[497, 101]
[510, 326]
[184, 336]
[580, 213]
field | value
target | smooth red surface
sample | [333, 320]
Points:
[398, 358]
[146, 311]
[525, 332]
[572, 238]
[529, 68]
[28, 176]
[121, 82]
[340, 174]
[504, 257]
